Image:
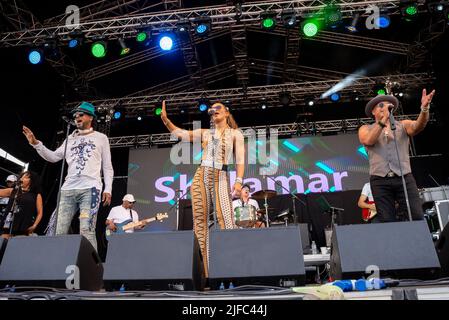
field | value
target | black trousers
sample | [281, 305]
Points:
[389, 198]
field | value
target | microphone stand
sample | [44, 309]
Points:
[294, 196]
[404, 186]
[58, 200]
[13, 208]
[214, 196]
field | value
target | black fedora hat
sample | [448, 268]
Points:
[380, 98]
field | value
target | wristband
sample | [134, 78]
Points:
[382, 125]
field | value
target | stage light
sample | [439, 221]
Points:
[268, 20]
[142, 36]
[310, 103]
[139, 118]
[158, 111]
[183, 26]
[73, 43]
[124, 48]
[288, 18]
[383, 21]
[332, 16]
[285, 98]
[203, 105]
[401, 94]
[117, 115]
[310, 28]
[202, 25]
[98, 49]
[335, 97]
[409, 9]
[35, 56]
[379, 89]
[353, 26]
[166, 42]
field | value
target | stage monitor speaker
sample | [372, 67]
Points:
[266, 256]
[154, 261]
[442, 247]
[68, 261]
[396, 250]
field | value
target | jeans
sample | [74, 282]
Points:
[88, 202]
[389, 198]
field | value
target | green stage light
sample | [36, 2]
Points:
[98, 49]
[158, 111]
[381, 92]
[310, 28]
[141, 36]
[411, 10]
[268, 20]
[268, 23]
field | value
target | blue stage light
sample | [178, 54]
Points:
[383, 22]
[73, 43]
[35, 57]
[166, 43]
[203, 107]
[201, 28]
[335, 97]
[117, 115]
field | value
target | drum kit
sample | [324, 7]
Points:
[249, 217]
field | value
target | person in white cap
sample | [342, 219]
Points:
[122, 213]
[10, 183]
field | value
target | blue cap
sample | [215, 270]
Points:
[85, 107]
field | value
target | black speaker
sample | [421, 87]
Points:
[51, 262]
[266, 256]
[397, 250]
[442, 247]
[154, 261]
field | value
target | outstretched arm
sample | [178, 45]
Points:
[184, 135]
[415, 127]
[5, 193]
[108, 172]
[47, 154]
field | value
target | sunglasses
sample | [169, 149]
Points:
[385, 104]
[78, 114]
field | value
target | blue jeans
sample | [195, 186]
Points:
[88, 202]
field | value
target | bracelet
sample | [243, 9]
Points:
[382, 125]
[238, 180]
[424, 109]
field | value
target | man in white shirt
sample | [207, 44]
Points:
[120, 214]
[88, 153]
[245, 200]
[366, 203]
[10, 183]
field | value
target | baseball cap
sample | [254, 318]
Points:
[129, 198]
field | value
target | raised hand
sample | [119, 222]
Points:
[30, 136]
[426, 99]
[163, 112]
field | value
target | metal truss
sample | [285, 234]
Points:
[140, 57]
[209, 75]
[291, 55]
[221, 17]
[246, 98]
[300, 128]
[17, 15]
[240, 51]
[107, 8]
[349, 40]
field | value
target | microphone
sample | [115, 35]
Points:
[211, 111]
[68, 120]
[439, 186]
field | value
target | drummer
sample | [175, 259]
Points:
[245, 200]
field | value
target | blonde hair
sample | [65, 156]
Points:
[231, 121]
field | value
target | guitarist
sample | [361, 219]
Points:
[122, 213]
[366, 203]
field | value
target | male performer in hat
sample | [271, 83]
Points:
[384, 165]
[88, 153]
[120, 214]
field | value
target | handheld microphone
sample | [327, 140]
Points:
[68, 120]
[211, 111]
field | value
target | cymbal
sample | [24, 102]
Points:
[262, 194]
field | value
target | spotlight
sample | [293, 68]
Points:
[142, 36]
[117, 115]
[437, 6]
[140, 114]
[158, 111]
[335, 97]
[166, 42]
[332, 16]
[183, 26]
[124, 48]
[409, 9]
[76, 39]
[288, 18]
[202, 25]
[268, 20]
[310, 28]
[203, 105]
[263, 105]
[35, 56]
[353, 26]
[383, 21]
[285, 98]
[98, 49]
[401, 94]
[380, 89]
[310, 103]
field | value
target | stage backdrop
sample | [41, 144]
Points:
[304, 165]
